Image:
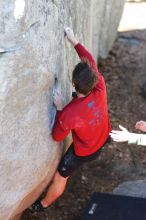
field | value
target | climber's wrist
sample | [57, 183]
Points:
[59, 107]
[74, 42]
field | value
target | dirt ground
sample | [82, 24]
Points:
[124, 71]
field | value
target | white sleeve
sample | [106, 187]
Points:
[139, 139]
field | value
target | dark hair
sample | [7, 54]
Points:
[84, 77]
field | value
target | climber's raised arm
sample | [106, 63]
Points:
[84, 54]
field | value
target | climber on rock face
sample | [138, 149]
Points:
[86, 117]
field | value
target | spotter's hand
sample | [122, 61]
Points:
[120, 136]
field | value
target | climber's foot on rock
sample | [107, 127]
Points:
[55, 190]
[51, 196]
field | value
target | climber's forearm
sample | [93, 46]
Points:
[75, 42]
[84, 54]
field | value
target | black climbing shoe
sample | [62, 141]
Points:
[37, 207]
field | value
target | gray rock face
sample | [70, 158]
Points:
[33, 52]
[111, 12]
[132, 188]
[133, 1]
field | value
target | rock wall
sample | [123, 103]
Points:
[136, 188]
[136, 1]
[33, 53]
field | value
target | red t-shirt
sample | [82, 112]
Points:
[87, 117]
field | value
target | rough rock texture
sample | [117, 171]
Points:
[136, 1]
[33, 53]
[135, 188]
